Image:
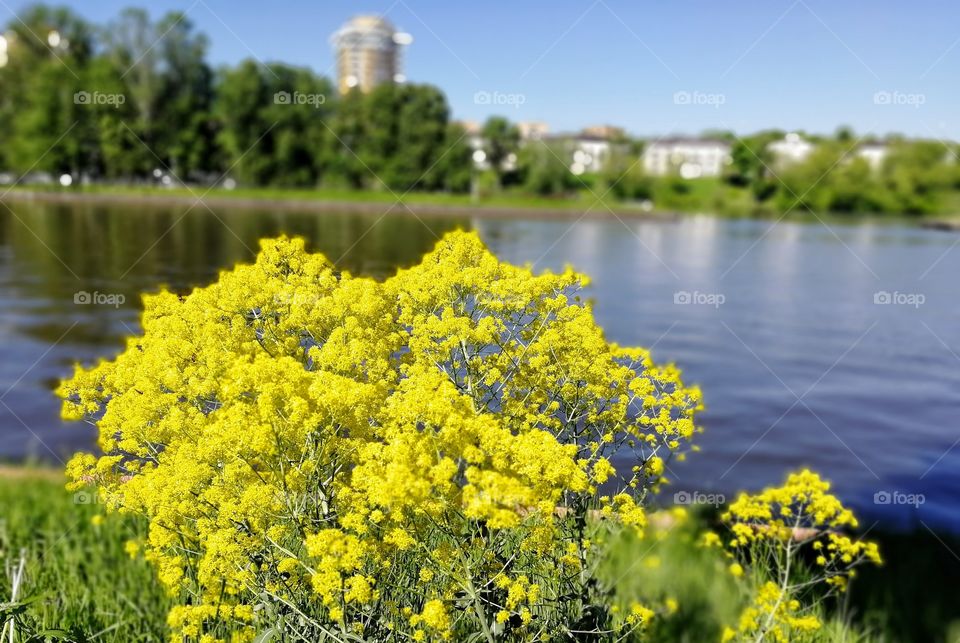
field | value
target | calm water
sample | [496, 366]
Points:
[799, 364]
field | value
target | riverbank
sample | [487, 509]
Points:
[80, 579]
[434, 205]
[583, 205]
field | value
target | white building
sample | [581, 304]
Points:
[874, 153]
[532, 130]
[691, 158]
[589, 154]
[369, 52]
[791, 149]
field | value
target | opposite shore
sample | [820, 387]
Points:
[426, 204]
[380, 203]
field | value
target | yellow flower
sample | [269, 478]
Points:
[296, 431]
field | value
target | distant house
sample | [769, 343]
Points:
[532, 130]
[609, 132]
[874, 153]
[691, 158]
[590, 150]
[589, 153]
[792, 148]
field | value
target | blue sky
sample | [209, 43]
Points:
[678, 66]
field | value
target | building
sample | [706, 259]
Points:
[609, 132]
[4, 44]
[532, 130]
[791, 149]
[369, 52]
[691, 158]
[874, 154]
[590, 153]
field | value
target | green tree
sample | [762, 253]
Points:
[917, 173]
[543, 169]
[455, 166]
[170, 87]
[271, 120]
[48, 129]
[501, 139]
[624, 178]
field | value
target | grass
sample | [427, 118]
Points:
[670, 195]
[78, 580]
[77, 577]
[670, 564]
[506, 199]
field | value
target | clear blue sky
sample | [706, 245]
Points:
[792, 64]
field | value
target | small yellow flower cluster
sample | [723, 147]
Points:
[772, 527]
[803, 502]
[434, 617]
[367, 455]
[774, 617]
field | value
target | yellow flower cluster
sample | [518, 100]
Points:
[772, 527]
[367, 455]
[803, 502]
[774, 617]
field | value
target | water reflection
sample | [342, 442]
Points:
[798, 364]
[53, 255]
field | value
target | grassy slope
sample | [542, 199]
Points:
[709, 195]
[87, 584]
[584, 199]
[84, 580]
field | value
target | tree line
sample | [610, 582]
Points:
[118, 102]
[135, 97]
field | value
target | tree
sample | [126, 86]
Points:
[544, 170]
[272, 123]
[170, 87]
[49, 129]
[501, 139]
[624, 177]
[455, 165]
[752, 160]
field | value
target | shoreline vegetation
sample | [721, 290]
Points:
[79, 579]
[428, 204]
[111, 112]
[322, 201]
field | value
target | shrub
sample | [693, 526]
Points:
[771, 531]
[327, 457]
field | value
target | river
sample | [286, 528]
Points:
[829, 345]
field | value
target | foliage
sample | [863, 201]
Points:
[770, 531]
[331, 456]
[77, 577]
[171, 113]
[83, 582]
[545, 171]
[163, 108]
[501, 140]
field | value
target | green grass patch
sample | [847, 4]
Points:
[77, 577]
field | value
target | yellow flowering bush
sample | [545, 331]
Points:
[330, 457]
[776, 531]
